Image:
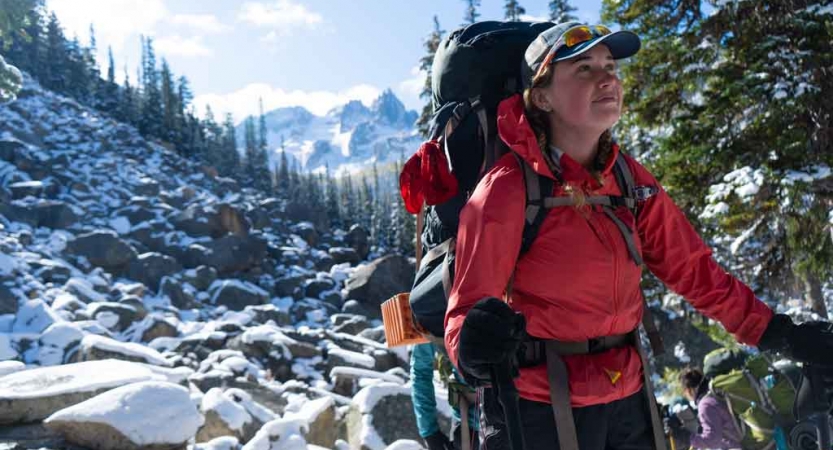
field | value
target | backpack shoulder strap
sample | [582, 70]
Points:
[536, 188]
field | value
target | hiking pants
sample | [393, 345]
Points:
[620, 425]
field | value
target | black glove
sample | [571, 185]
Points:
[809, 342]
[674, 427]
[438, 441]
[491, 335]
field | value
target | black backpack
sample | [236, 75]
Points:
[474, 69]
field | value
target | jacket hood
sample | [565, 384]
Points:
[515, 130]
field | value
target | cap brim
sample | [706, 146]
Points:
[622, 44]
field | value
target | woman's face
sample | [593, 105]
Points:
[585, 92]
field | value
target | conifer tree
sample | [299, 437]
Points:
[150, 122]
[55, 67]
[513, 11]
[471, 11]
[734, 115]
[561, 11]
[431, 44]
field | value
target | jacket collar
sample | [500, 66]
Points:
[515, 130]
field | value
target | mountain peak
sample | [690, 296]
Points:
[388, 109]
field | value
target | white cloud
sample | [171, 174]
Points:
[408, 91]
[531, 18]
[280, 14]
[180, 46]
[206, 23]
[244, 102]
[115, 20]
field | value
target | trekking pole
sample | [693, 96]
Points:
[823, 426]
[508, 396]
[820, 406]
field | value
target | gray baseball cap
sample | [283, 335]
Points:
[549, 47]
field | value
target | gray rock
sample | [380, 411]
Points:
[228, 254]
[343, 255]
[358, 238]
[150, 268]
[378, 281]
[376, 334]
[314, 288]
[265, 313]
[53, 214]
[124, 313]
[103, 249]
[215, 221]
[216, 406]
[354, 325]
[200, 277]
[391, 416]
[307, 232]
[159, 327]
[34, 394]
[291, 286]
[274, 356]
[9, 149]
[9, 303]
[237, 295]
[179, 297]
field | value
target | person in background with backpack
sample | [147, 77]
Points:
[718, 429]
[423, 357]
[564, 314]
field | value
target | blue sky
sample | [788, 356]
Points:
[313, 53]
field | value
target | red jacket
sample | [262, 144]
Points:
[577, 281]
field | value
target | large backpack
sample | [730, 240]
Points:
[474, 69]
[760, 397]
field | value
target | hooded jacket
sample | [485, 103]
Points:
[577, 280]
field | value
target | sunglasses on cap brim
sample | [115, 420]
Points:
[572, 37]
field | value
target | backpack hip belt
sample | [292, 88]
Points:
[551, 351]
[535, 350]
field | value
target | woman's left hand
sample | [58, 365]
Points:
[808, 342]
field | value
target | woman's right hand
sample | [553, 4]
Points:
[491, 335]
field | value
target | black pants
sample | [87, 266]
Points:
[620, 425]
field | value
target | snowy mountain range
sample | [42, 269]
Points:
[348, 138]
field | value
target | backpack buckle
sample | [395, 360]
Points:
[643, 193]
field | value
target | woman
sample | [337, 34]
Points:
[718, 429]
[578, 284]
[423, 357]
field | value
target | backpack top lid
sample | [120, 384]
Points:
[482, 60]
[722, 361]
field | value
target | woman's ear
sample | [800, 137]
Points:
[539, 99]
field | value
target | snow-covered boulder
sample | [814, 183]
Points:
[150, 268]
[225, 417]
[95, 348]
[280, 434]
[379, 415]
[220, 443]
[374, 283]
[320, 417]
[34, 316]
[9, 367]
[140, 416]
[34, 394]
[236, 294]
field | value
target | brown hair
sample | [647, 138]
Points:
[691, 378]
[539, 122]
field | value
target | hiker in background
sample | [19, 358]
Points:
[565, 313]
[718, 429]
[423, 357]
